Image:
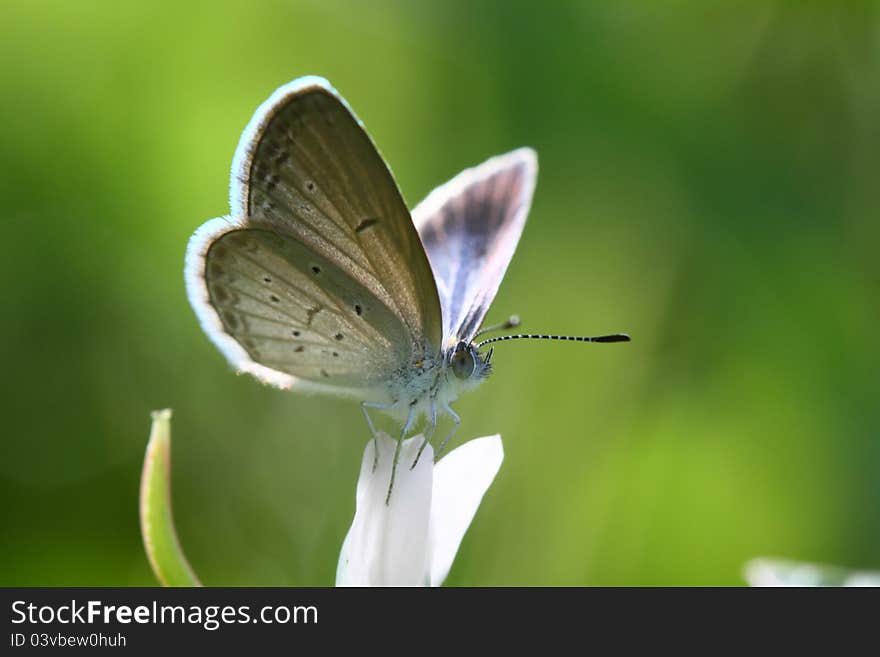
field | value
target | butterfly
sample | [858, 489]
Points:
[321, 280]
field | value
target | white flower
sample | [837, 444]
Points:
[778, 572]
[413, 540]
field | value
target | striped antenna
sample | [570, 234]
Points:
[616, 337]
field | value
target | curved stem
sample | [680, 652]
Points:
[157, 523]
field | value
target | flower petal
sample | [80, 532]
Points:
[461, 478]
[778, 572]
[387, 544]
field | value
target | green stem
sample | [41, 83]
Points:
[157, 523]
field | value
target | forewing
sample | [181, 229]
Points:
[286, 314]
[470, 227]
[319, 280]
[306, 164]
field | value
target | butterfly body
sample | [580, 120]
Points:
[430, 385]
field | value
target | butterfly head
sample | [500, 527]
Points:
[466, 362]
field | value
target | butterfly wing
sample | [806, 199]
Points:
[322, 258]
[288, 315]
[470, 227]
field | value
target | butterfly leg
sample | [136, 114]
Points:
[452, 431]
[429, 433]
[382, 407]
[406, 427]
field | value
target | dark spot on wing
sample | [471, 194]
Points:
[274, 299]
[336, 354]
[358, 309]
[366, 223]
[316, 269]
[300, 349]
[266, 279]
[310, 186]
[324, 373]
[295, 333]
[339, 336]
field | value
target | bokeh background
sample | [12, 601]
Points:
[709, 183]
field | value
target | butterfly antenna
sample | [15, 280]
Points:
[614, 337]
[512, 322]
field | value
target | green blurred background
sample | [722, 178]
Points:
[708, 183]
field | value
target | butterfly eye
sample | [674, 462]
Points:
[463, 364]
